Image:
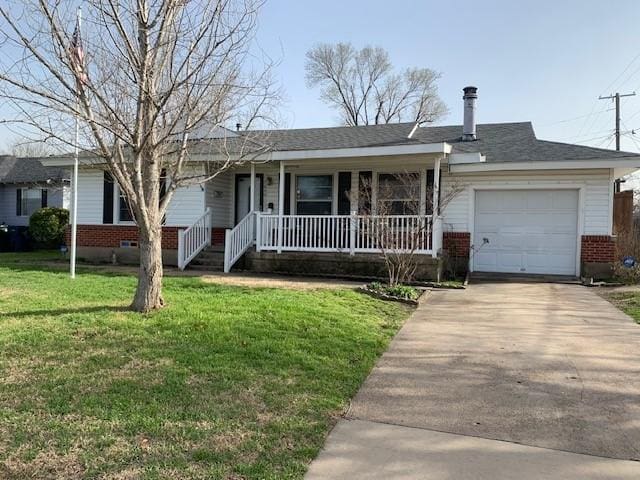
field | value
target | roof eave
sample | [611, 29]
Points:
[290, 155]
[380, 151]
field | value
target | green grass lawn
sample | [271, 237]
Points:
[226, 382]
[628, 302]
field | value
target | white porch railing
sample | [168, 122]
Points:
[238, 240]
[194, 239]
[349, 233]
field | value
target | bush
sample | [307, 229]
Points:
[627, 245]
[47, 226]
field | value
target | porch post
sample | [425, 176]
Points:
[436, 231]
[280, 205]
[252, 188]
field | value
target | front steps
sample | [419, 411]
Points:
[211, 258]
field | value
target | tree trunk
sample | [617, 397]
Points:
[148, 295]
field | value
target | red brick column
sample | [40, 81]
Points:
[598, 249]
[457, 244]
[218, 234]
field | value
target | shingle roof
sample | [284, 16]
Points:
[28, 170]
[499, 142]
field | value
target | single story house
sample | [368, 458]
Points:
[521, 204]
[26, 186]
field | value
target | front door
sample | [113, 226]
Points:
[243, 195]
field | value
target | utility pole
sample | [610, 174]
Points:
[617, 98]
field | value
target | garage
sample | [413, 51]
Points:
[526, 231]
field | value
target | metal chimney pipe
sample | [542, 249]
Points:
[469, 127]
[238, 127]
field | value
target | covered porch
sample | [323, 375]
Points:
[319, 206]
[303, 206]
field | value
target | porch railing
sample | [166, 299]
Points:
[238, 240]
[349, 233]
[194, 239]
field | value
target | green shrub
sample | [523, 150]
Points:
[400, 291]
[47, 226]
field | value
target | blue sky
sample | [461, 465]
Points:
[544, 61]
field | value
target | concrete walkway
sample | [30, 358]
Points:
[508, 380]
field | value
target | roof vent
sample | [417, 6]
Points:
[469, 127]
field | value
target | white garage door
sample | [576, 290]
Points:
[528, 231]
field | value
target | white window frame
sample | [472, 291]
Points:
[294, 190]
[116, 207]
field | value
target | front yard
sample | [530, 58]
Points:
[226, 382]
[626, 299]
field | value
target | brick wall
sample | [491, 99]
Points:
[111, 235]
[217, 236]
[598, 249]
[458, 244]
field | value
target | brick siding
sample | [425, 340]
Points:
[598, 249]
[458, 244]
[112, 235]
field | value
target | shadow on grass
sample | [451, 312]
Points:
[54, 267]
[68, 311]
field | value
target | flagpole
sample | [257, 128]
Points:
[74, 220]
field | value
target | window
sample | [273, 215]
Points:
[124, 210]
[399, 193]
[314, 194]
[28, 200]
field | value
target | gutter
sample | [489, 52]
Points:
[620, 162]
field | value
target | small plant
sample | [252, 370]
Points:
[47, 226]
[398, 291]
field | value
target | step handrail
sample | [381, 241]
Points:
[194, 239]
[238, 240]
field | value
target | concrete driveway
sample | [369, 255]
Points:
[497, 380]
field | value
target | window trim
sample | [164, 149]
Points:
[332, 197]
[116, 207]
[22, 199]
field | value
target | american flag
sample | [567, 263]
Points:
[77, 56]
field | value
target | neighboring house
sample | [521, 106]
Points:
[526, 206]
[26, 185]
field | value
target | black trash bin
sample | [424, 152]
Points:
[4, 237]
[17, 239]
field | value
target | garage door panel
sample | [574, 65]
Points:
[566, 199]
[538, 200]
[532, 231]
[512, 201]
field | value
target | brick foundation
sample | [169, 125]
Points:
[598, 249]
[110, 236]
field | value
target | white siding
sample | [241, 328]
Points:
[186, 205]
[596, 208]
[8, 203]
[219, 197]
[90, 192]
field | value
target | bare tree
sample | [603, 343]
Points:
[362, 86]
[30, 148]
[393, 221]
[151, 84]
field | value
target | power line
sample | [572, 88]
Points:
[576, 118]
